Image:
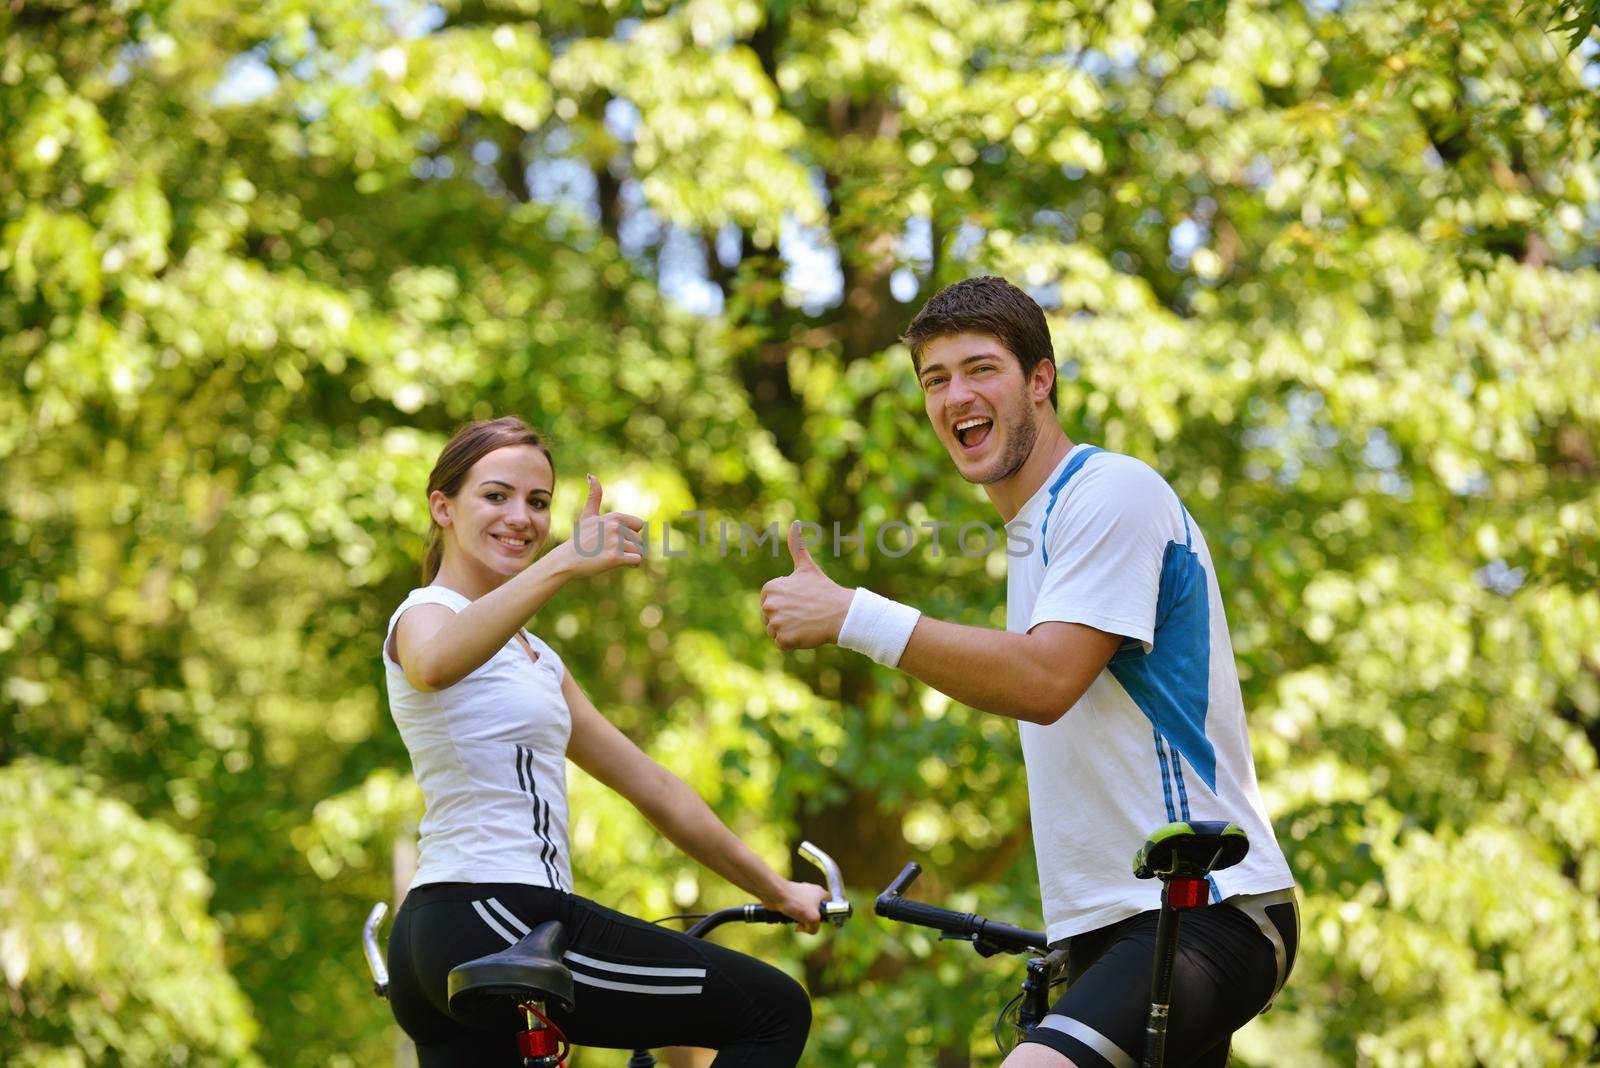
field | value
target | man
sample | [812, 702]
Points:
[1116, 661]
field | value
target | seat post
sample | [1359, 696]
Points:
[539, 1043]
[510, 989]
[1177, 896]
[1182, 855]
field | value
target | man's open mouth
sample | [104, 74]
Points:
[974, 431]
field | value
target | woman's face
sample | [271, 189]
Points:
[500, 517]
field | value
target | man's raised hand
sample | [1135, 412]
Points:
[806, 608]
[602, 542]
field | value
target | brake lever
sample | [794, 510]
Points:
[986, 948]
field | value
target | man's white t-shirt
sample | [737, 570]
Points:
[1160, 734]
[489, 753]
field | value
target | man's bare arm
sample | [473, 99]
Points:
[1034, 677]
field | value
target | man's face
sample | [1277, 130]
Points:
[980, 404]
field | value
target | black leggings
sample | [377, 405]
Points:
[636, 984]
[1227, 970]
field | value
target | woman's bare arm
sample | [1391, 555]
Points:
[679, 813]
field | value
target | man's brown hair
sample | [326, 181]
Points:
[985, 305]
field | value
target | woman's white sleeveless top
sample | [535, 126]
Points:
[490, 755]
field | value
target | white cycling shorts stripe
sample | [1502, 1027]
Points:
[634, 969]
[505, 914]
[1089, 1037]
[494, 924]
[1255, 907]
[633, 988]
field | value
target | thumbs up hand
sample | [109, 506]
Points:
[601, 542]
[798, 551]
[806, 608]
[591, 507]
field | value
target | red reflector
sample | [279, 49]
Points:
[537, 1043]
[1186, 893]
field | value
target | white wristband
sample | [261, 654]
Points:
[878, 627]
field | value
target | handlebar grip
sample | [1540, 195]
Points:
[756, 914]
[960, 924]
[751, 913]
[1012, 939]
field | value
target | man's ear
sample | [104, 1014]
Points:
[1044, 381]
[439, 507]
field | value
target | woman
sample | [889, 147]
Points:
[489, 715]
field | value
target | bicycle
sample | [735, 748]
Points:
[510, 990]
[1180, 854]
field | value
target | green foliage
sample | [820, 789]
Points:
[108, 951]
[1330, 267]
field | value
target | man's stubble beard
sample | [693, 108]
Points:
[1018, 445]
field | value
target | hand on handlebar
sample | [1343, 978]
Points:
[801, 902]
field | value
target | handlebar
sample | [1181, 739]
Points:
[835, 910]
[983, 933]
[740, 913]
[369, 943]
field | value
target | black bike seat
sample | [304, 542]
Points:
[1190, 850]
[484, 993]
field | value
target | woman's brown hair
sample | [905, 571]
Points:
[471, 443]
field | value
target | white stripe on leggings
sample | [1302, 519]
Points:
[634, 969]
[510, 938]
[1089, 1037]
[505, 914]
[1255, 907]
[633, 988]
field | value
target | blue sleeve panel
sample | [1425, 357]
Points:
[1172, 683]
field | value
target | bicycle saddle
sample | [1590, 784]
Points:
[484, 993]
[1190, 850]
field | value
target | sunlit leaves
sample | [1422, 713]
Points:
[106, 946]
[1328, 267]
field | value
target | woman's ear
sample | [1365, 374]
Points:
[439, 507]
